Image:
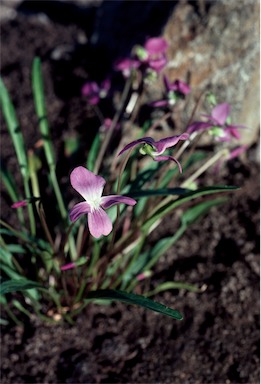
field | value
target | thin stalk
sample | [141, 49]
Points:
[12, 316]
[193, 177]
[10, 187]
[123, 165]
[110, 131]
[29, 206]
[204, 167]
[136, 254]
[18, 142]
[45, 226]
[38, 91]
[15, 232]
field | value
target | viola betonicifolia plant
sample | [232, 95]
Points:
[84, 235]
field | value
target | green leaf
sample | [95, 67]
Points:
[159, 192]
[18, 142]
[38, 92]
[9, 182]
[17, 285]
[13, 128]
[162, 210]
[194, 213]
[131, 298]
[147, 259]
[93, 153]
[173, 285]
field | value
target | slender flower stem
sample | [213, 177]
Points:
[110, 131]
[204, 167]
[185, 145]
[193, 177]
[123, 165]
[29, 206]
[45, 226]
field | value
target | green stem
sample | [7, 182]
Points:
[118, 192]
[204, 167]
[110, 131]
[63, 211]
[29, 206]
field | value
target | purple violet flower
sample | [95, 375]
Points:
[173, 91]
[153, 53]
[155, 148]
[95, 92]
[90, 187]
[217, 123]
[126, 66]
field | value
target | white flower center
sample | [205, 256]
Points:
[95, 203]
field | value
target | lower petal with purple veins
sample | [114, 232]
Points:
[109, 201]
[99, 223]
[78, 210]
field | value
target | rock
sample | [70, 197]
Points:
[215, 46]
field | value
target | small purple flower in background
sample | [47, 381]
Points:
[95, 92]
[155, 148]
[231, 154]
[235, 152]
[217, 123]
[156, 49]
[19, 204]
[23, 203]
[90, 187]
[174, 91]
[107, 123]
[65, 267]
[153, 53]
[126, 66]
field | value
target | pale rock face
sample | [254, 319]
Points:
[215, 46]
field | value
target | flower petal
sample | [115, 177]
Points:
[156, 45]
[158, 64]
[79, 210]
[233, 131]
[109, 201]
[145, 140]
[162, 158]
[159, 103]
[90, 88]
[237, 151]
[221, 112]
[126, 64]
[19, 204]
[99, 223]
[167, 83]
[180, 86]
[65, 267]
[168, 142]
[87, 184]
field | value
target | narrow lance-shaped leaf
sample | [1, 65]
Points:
[38, 92]
[169, 206]
[159, 192]
[93, 152]
[13, 128]
[131, 298]
[17, 285]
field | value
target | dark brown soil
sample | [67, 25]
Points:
[218, 340]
